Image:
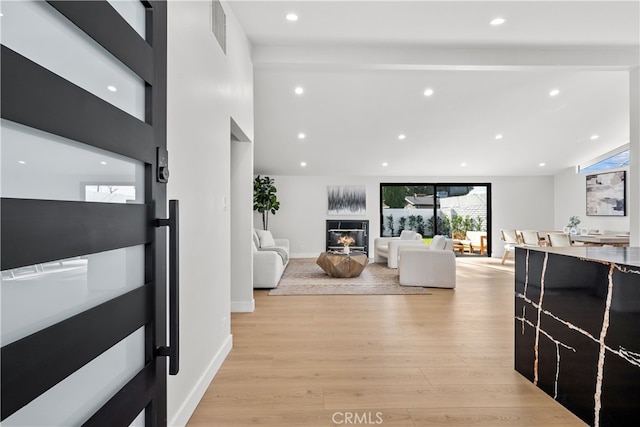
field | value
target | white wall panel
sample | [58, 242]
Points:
[205, 90]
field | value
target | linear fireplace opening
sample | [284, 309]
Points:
[340, 230]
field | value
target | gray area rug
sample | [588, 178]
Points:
[304, 277]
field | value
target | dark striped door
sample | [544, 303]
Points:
[83, 252]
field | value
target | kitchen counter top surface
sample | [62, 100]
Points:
[629, 256]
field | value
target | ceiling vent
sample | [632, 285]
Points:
[219, 24]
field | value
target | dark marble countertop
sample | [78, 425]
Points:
[629, 256]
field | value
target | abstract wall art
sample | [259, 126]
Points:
[347, 199]
[606, 194]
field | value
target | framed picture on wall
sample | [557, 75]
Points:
[606, 194]
[347, 199]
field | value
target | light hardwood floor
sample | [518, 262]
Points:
[444, 359]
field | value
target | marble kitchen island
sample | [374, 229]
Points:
[577, 329]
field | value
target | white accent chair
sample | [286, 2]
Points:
[559, 239]
[386, 248]
[530, 238]
[270, 258]
[431, 266]
[511, 240]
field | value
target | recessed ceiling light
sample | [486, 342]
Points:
[1, 14]
[385, 164]
[463, 164]
[292, 17]
[428, 92]
[593, 137]
[402, 136]
[112, 88]
[22, 162]
[542, 164]
[103, 163]
[554, 92]
[303, 164]
[499, 136]
[497, 21]
[299, 90]
[302, 135]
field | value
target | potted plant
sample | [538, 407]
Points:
[265, 200]
[572, 226]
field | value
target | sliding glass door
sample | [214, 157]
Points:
[449, 209]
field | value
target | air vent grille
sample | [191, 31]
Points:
[219, 24]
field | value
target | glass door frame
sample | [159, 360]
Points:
[435, 204]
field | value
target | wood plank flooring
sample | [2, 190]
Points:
[444, 359]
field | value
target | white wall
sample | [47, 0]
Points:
[205, 90]
[517, 202]
[241, 205]
[634, 142]
[570, 199]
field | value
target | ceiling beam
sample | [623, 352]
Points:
[446, 58]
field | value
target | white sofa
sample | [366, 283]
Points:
[431, 266]
[386, 248]
[270, 259]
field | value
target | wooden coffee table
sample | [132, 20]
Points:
[337, 264]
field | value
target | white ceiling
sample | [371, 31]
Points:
[364, 66]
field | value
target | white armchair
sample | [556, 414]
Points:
[432, 266]
[386, 248]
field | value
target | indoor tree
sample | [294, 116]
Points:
[265, 200]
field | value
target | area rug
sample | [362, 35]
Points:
[304, 277]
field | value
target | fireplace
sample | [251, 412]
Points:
[357, 230]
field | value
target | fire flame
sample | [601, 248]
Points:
[346, 240]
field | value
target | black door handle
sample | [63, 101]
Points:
[173, 350]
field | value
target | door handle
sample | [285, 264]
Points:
[173, 350]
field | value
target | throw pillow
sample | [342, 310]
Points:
[266, 239]
[408, 235]
[256, 239]
[438, 242]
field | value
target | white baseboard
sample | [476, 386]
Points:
[243, 306]
[187, 409]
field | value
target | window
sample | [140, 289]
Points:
[615, 159]
[432, 208]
